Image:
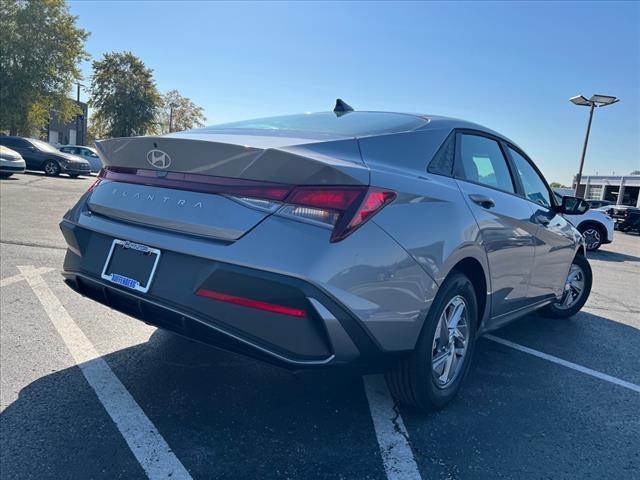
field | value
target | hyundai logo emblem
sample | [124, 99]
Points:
[158, 158]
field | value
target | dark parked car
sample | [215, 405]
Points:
[330, 239]
[627, 219]
[39, 155]
[599, 203]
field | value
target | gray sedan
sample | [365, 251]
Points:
[385, 240]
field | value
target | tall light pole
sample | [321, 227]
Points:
[592, 103]
[171, 107]
[79, 138]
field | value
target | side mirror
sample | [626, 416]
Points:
[573, 206]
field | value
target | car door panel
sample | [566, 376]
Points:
[506, 227]
[508, 236]
[29, 154]
[556, 239]
[555, 248]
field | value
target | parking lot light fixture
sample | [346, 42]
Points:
[592, 103]
[171, 107]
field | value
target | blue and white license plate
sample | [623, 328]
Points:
[131, 265]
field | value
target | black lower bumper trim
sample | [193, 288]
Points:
[182, 323]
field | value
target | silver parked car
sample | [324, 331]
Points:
[88, 153]
[381, 239]
[10, 162]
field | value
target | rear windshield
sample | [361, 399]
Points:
[352, 124]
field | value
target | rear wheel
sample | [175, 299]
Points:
[593, 235]
[5, 174]
[51, 168]
[577, 288]
[432, 374]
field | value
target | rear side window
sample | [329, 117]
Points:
[13, 142]
[482, 162]
[534, 187]
[442, 162]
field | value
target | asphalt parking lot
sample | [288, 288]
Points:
[89, 393]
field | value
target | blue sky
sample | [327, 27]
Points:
[509, 66]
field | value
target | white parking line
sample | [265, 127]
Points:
[18, 278]
[144, 440]
[393, 439]
[565, 363]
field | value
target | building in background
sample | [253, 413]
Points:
[619, 189]
[70, 133]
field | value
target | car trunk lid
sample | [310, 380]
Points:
[196, 184]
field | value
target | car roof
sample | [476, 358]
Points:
[354, 124]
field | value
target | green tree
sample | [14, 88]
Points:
[186, 114]
[40, 47]
[557, 185]
[123, 95]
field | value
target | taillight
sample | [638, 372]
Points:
[96, 182]
[375, 201]
[343, 208]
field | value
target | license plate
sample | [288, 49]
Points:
[131, 265]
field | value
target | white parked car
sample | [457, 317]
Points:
[88, 153]
[10, 162]
[595, 225]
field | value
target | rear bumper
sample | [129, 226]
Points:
[12, 166]
[329, 334]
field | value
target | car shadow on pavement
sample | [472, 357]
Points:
[519, 416]
[224, 416]
[607, 256]
[227, 416]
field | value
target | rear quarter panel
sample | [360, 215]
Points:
[429, 218]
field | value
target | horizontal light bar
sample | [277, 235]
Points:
[250, 303]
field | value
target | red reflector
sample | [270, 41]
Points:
[248, 302]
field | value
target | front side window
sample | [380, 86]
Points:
[534, 187]
[482, 162]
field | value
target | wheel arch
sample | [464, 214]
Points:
[604, 233]
[589, 223]
[472, 268]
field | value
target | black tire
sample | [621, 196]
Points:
[51, 168]
[411, 380]
[74, 175]
[594, 235]
[556, 310]
[5, 174]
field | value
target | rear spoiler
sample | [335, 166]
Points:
[335, 162]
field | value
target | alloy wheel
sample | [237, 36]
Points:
[592, 238]
[450, 342]
[573, 288]
[50, 168]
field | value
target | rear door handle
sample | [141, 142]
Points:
[482, 200]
